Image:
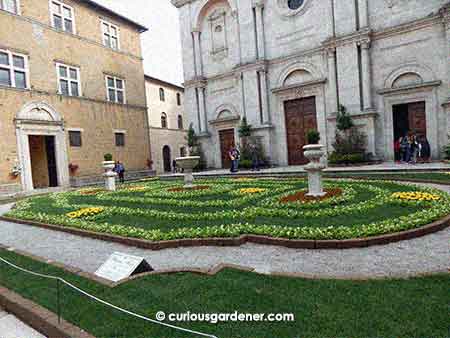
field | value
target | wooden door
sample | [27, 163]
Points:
[226, 143]
[417, 118]
[300, 117]
[51, 161]
[167, 159]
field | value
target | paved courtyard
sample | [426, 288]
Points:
[11, 327]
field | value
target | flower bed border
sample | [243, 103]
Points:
[256, 239]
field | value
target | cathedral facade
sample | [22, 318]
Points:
[288, 65]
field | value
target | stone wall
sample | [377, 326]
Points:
[347, 52]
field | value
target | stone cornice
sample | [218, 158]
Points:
[300, 85]
[362, 115]
[424, 85]
[197, 82]
[407, 27]
[358, 37]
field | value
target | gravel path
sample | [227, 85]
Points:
[427, 254]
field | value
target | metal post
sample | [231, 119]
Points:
[58, 300]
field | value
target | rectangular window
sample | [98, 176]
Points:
[120, 139]
[75, 138]
[110, 35]
[62, 16]
[68, 80]
[10, 6]
[13, 69]
[115, 89]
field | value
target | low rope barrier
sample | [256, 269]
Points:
[59, 279]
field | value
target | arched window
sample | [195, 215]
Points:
[162, 96]
[179, 99]
[163, 120]
[180, 122]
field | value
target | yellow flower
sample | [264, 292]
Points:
[251, 190]
[85, 212]
[416, 196]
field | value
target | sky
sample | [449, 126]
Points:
[161, 46]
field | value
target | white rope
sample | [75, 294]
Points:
[106, 303]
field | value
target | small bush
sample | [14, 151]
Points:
[108, 157]
[354, 158]
[245, 164]
[313, 137]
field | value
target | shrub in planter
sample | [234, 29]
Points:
[313, 137]
[108, 157]
[335, 158]
[245, 164]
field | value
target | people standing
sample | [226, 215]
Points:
[404, 149]
[174, 166]
[234, 156]
[425, 149]
[119, 168]
[397, 149]
[412, 149]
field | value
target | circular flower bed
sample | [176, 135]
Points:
[275, 207]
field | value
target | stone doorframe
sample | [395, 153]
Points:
[313, 88]
[425, 92]
[38, 118]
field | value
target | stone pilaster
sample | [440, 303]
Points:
[332, 78]
[363, 13]
[366, 75]
[197, 53]
[202, 110]
[264, 96]
[260, 29]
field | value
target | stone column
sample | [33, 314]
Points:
[197, 53]
[264, 96]
[235, 15]
[363, 13]
[260, 30]
[366, 75]
[446, 16]
[333, 99]
[202, 110]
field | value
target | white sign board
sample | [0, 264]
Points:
[120, 266]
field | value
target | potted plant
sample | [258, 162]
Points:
[108, 162]
[313, 137]
[73, 168]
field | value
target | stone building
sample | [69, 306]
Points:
[71, 89]
[287, 65]
[166, 122]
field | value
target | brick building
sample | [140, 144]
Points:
[71, 89]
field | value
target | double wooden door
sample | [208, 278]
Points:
[300, 117]
[226, 143]
[417, 118]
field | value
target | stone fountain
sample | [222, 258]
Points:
[314, 153]
[188, 163]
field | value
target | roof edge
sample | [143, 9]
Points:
[141, 28]
[162, 82]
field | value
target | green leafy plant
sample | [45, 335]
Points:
[108, 157]
[344, 120]
[313, 137]
[245, 130]
[191, 138]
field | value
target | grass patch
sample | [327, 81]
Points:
[409, 308]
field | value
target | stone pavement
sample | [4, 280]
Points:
[428, 254]
[11, 327]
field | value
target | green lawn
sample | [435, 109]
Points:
[150, 210]
[407, 308]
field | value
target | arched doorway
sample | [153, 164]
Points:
[41, 147]
[167, 159]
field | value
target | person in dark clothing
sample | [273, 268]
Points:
[255, 157]
[404, 149]
[234, 155]
[425, 149]
[174, 166]
[120, 170]
[397, 149]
